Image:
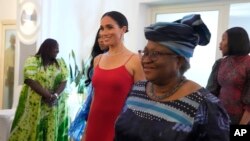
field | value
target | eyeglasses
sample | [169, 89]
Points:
[154, 55]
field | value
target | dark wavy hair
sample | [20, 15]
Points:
[120, 19]
[96, 50]
[45, 49]
[238, 41]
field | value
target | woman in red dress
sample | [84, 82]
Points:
[114, 74]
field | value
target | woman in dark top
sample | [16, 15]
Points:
[230, 77]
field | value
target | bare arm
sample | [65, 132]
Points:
[138, 70]
[96, 60]
[245, 118]
[37, 87]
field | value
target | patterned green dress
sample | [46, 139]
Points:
[34, 120]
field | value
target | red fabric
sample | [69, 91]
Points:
[247, 108]
[111, 88]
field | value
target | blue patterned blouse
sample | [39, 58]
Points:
[196, 117]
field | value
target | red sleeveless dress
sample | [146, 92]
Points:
[111, 88]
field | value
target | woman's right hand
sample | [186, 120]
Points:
[50, 100]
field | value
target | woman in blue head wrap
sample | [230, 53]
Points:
[169, 107]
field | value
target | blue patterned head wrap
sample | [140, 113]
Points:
[180, 36]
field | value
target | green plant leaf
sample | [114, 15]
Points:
[83, 68]
[76, 74]
[71, 74]
[73, 54]
[78, 78]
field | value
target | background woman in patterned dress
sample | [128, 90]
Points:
[41, 114]
[230, 77]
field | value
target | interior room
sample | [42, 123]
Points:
[73, 23]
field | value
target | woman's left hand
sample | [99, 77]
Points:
[245, 118]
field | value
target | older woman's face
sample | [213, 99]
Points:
[159, 63]
[224, 44]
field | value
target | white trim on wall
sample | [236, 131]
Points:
[221, 5]
[222, 8]
[4, 25]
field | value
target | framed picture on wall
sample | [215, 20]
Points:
[7, 62]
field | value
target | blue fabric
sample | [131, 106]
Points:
[180, 36]
[195, 117]
[78, 125]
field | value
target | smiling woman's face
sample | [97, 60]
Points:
[162, 66]
[111, 32]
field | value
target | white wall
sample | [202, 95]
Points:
[74, 23]
[240, 16]
[8, 9]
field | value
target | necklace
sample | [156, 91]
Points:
[167, 94]
[116, 53]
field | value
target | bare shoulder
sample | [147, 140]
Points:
[192, 86]
[135, 58]
[97, 59]
[136, 67]
[186, 89]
